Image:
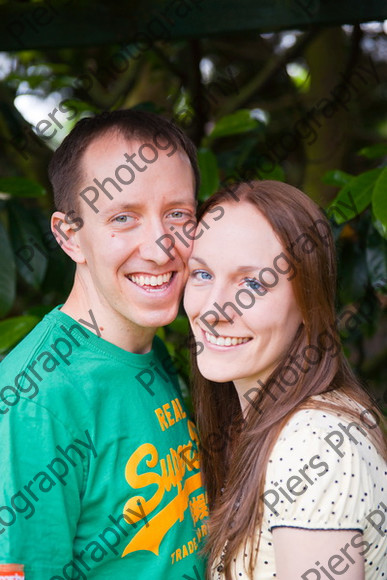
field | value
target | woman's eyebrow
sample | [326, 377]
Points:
[249, 268]
[241, 269]
[196, 259]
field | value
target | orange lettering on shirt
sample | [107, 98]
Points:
[183, 413]
[145, 467]
[176, 410]
[160, 415]
[168, 415]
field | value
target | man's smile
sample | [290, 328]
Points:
[152, 282]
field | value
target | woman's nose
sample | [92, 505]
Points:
[220, 308]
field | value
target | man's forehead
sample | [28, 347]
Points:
[114, 167]
[114, 144]
[112, 141]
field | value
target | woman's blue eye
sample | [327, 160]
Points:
[201, 275]
[177, 214]
[253, 283]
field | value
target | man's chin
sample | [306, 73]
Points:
[157, 319]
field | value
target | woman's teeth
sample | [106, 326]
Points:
[225, 340]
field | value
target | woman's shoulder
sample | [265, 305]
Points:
[324, 471]
[338, 431]
[328, 412]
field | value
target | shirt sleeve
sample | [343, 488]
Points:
[41, 487]
[317, 479]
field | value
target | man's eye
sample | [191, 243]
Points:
[180, 214]
[122, 219]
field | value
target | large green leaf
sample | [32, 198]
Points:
[337, 177]
[376, 253]
[374, 151]
[21, 187]
[379, 198]
[239, 122]
[7, 273]
[209, 174]
[354, 197]
[14, 329]
[30, 252]
[276, 173]
[381, 228]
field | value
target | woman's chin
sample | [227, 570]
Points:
[213, 374]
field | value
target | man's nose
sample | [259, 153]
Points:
[149, 249]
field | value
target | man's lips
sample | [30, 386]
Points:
[150, 279]
[152, 282]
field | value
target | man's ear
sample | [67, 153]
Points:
[66, 236]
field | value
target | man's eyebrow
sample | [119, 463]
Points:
[138, 205]
[113, 208]
[191, 202]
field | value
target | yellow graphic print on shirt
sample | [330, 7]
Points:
[173, 469]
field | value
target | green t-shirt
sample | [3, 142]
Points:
[90, 432]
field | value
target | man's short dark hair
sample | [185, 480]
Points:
[65, 168]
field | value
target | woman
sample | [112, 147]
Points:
[293, 455]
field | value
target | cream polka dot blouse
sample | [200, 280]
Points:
[324, 473]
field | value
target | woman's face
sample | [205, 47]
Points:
[245, 326]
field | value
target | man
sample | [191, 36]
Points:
[100, 474]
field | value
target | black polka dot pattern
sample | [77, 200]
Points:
[324, 473]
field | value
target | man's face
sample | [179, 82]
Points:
[129, 278]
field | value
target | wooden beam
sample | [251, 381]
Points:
[77, 23]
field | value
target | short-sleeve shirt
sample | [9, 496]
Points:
[324, 473]
[99, 473]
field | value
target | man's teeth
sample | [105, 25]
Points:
[225, 340]
[151, 280]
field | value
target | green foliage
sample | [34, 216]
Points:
[14, 329]
[7, 273]
[209, 175]
[26, 238]
[29, 254]
[355, 196]
[359, 220]
[234, 124]
[361, 207]
[21, 187]
[379, 205]
[248, 79]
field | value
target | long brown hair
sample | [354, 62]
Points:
[236, 450]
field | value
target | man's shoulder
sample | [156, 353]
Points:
[45, 355]
[32, 342]
[44, 337]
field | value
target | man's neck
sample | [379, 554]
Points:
[112, 328]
